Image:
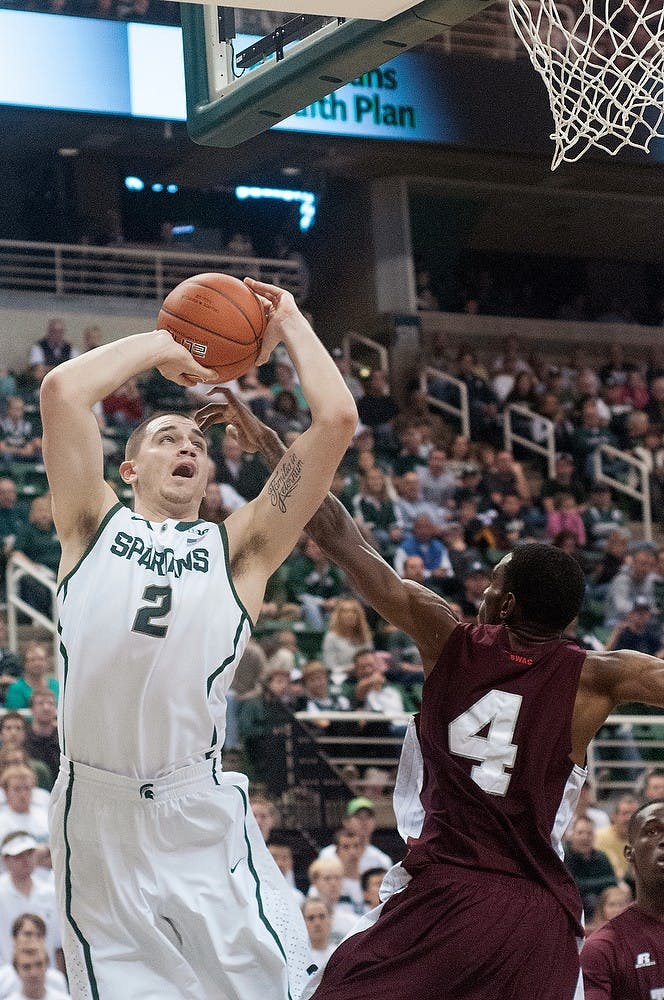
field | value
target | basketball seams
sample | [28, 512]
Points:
[206, 329]
[233, 302]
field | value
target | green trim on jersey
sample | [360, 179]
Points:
[224, 542]
[256, 878]
[214, 749]
[91, 544]
[137, 517]
[65, 670]
[238, 632]
[77, 931]
[186, 525]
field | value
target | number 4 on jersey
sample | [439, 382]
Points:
[497, 713]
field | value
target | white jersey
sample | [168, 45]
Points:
[151, 632]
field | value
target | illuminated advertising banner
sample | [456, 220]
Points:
[64, 63]
[113, 67]
[400, 100]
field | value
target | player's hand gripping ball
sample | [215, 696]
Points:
[218, 319]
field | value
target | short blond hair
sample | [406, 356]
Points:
[16, 771]
[324, 866]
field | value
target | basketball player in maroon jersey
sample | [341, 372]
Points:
[482, 907]
[624, 959]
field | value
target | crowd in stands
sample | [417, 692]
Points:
[443, 509]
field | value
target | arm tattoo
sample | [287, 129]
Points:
[285, 481]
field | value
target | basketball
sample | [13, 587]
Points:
[218, 319]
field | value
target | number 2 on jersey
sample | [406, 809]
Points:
[496, 712]
[160, 599]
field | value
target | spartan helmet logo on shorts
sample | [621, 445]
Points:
[146, 791]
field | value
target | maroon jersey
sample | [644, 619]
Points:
[499, 787]
[624, 960]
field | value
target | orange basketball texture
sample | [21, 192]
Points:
[218, 319]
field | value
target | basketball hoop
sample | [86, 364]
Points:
[603, 66]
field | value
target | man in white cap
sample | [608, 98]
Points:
[21, 893]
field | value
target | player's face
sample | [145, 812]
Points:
[494, 596]
[648, 846]
[173, 461]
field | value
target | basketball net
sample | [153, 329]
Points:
[603, 66]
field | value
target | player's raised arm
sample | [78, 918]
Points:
[270, 525]
[419, 612]
[72, 443]
[610, 679]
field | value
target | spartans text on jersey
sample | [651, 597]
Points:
[161, 561]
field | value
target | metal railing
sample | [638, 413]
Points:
[609, 756]
[129, 272]
[642, 473]
[350, 342]
[548, 451]
[618, 760]
[19, 567]
[462, 411]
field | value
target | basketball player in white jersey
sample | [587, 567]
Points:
[165, 887]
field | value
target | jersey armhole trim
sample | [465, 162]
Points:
[91, 544]
[224, 541]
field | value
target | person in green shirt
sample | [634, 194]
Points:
[36, 665]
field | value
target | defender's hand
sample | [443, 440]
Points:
[243, 424]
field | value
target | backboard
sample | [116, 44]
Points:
[374, 10]
[226, 107]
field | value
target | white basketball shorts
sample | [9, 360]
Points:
[166, 890]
